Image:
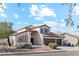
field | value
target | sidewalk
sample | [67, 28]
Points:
[30, 52]
[43, 49]
[38, 49]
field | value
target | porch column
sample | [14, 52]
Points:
[62, 42]
[42, 41]
[14, 39]
[55, 40]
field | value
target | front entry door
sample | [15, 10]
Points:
[32, 41]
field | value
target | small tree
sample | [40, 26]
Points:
[5, 33]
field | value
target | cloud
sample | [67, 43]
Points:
[52, 24]
[23, 9]
[21, 23]
[38, 18]
[62, 23]
[41, 11]
[18, 23]
[63, 20]
[55, 25]
[33, 10]
[76, 10]
[26, 23]
[45, 11]
[3, 15]
[16, 15]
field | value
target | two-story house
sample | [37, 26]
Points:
[35, 35]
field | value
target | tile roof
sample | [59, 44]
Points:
[76, 36]
[53, 35]
[33, 26]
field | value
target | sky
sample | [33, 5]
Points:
[52, 14]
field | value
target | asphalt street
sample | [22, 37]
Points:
[63, 53]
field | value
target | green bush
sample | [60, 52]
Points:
[28, 46]
[52, 45]
[4, 34]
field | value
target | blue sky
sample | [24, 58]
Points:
[52, 14]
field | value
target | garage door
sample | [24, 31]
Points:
[59, 41]
[47, 41]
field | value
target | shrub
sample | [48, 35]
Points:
[29, 46]
[52, 45]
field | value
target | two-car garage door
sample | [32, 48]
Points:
[47, 41]
[58, 41]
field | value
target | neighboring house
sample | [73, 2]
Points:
[35, 35]
[69, 38]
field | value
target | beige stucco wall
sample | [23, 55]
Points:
[38, 38]
[15, 38]
[28, 37]
[71, 39]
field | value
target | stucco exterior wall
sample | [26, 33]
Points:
[28, 37]
[70, 39]
[38, 38]
[15, 38]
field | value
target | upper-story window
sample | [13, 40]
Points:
[44, 30]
